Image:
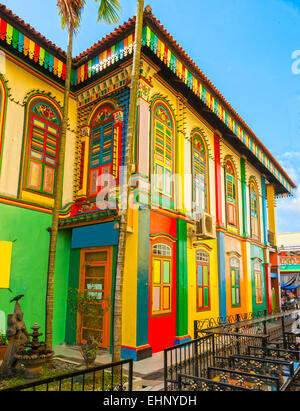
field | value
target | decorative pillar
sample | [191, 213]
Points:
[244, 197]
[140, 182]
[84, 166]
[218, 181]
[117, 143]
[220, 224]
[181, 117]
[271, 210]
[264, 210]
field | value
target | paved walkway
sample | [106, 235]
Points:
[149, 370]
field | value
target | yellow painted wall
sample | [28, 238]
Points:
[193, 314]
[271, 209]
[22, 81]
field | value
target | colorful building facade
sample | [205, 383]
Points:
[289, 248]
[202, 207]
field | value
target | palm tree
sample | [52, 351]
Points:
[70, 11]
[125, 188]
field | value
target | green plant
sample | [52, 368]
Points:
[3, 339]
[87, 306]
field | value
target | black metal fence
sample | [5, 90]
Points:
[255, 381]
[259, 322]
[266, 366]
[116, 376]
[289, 355]
[192, 383]
[195, 357]
[291, 340]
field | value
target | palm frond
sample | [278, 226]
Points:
[109, 11]
[70, 11]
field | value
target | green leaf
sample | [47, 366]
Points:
[109, 11]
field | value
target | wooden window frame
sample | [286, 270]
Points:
[235, 204]
[206, 174]
[203, 264]
[254, 190]
[237, 269]
[162, 163]
[258, 285]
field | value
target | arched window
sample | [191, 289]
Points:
[254, 211]
[203, 280]
[161, 289]
[231, 194]
[200, 174]
[102, 144]
[42, 140]
[235, 282]
[258, 283]
[163, 150]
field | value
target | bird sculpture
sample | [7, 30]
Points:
[17, 298]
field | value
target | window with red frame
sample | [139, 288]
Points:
[231, 194]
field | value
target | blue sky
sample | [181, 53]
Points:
[245, 47]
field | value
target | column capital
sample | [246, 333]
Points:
[85, 131]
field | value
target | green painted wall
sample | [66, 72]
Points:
[27, 230]
[73, 283]
[182, 281]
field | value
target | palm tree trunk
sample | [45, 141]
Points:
[125, 189]
[57, 198]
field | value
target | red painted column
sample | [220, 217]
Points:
[218, 184]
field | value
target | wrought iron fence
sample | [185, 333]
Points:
[193, 358]
[291, 340]
[289, 355]
[196, 356]
[265, 366]
[227, 344]
[255, 381]
[247, 323]
[192, 383]
[108, 377]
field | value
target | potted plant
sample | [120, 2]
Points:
[3, 345]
